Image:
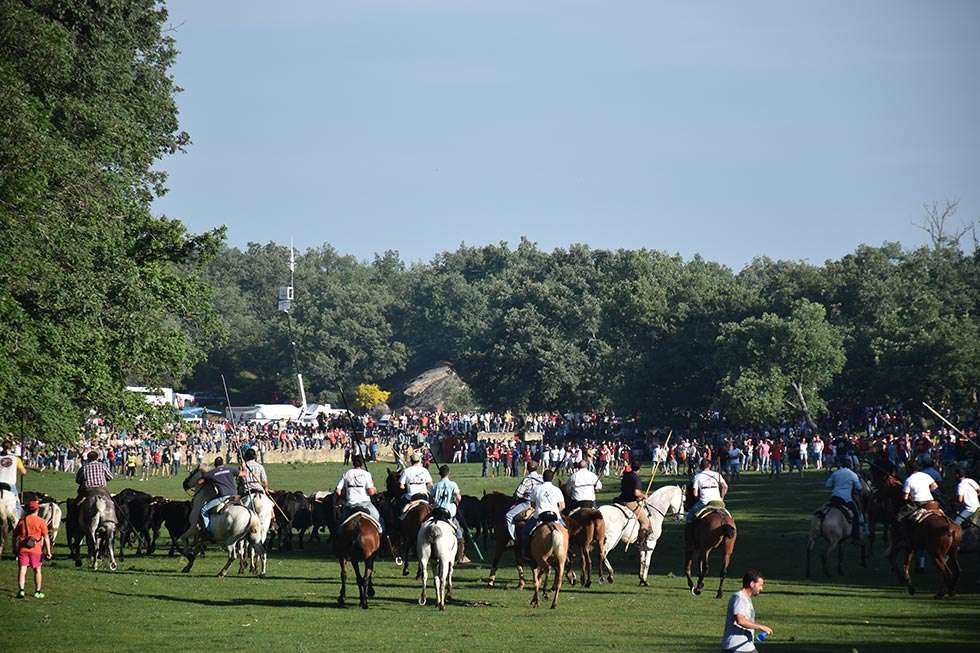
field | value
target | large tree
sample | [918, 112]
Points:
[95, 290]
[777, 367]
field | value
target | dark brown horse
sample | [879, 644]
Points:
[714, 530]
[405, 527]
[935, 534]
[357, 541]
[496, 505]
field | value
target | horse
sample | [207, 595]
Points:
[714, 530]
[8, 520]
[585, 528]
[357, 540]
[496, 505]
[832, 526]
[621, 526]
[260, 504]
[935, 533]
[549, 547]
[97, 521]
[51, 513]
[406, 526]
[228, 527]
[437, 541]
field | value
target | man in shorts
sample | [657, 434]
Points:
[30, 534]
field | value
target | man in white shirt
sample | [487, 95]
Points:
[522, 496]
[967, 491]
[355, 488]
[708, 486]
[582, 486]
[740, 624]
[844, 484]
[548, 502]
[10, 466]
[415, 481]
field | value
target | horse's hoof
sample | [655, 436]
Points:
[610, 580]
[587, 584]
[364, 605]
[643, 583]
[370, 592]
[262, 575]
[399, 561]
[572, 582]
[340, 602]
[718, 595]
[422, 600]
[696, 591]
[911, 590]
[185, 570]
[405, 573]
[113, 566]
[442, 607]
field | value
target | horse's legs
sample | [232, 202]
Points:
[561, 567]
[953, 564]
[688, 560]
[586, 563]
[424, 568]
[646, 555]
[944, 573]
[725, 559]
[343, 580]
[369, 576]
[361, 583]
[520, 568]
[702, 570]
[537, 586]
[809, 552]
[906, 563]
[498, 553]
[232, 550]
[840, 557]
[110, 533]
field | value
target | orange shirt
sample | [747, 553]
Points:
[30, 526]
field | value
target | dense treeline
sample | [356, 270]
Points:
[637, 330]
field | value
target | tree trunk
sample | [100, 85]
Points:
[798, 387]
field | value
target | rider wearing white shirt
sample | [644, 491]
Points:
[416, 479]
[522, 496]
[10, 466]
[356, 487]
[582, 485]
[708, 486]
[844, 483]
[967, 496]
[918, 488]
[546, 499]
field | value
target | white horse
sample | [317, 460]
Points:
[262, 506]
[51, 513]
[97, 520]
[437, 540]
[8, 520]
[227, 528]
[623, 527]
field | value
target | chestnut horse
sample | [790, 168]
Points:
[716, 529]
[405, 531]
[585, 528]
[549, 548]
[936, 534]
[358, 540]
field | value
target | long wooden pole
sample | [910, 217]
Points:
[656, 463]
[950, 425]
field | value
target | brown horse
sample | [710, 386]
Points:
[585, 528]
[716, 529]
[406, 533]
[936, 534]
[549, 547]
[358, 541]
[496, 505]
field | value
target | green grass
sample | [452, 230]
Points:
[148, 605]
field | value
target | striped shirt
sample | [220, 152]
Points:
[93, 474]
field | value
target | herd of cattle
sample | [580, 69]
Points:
[141, 517]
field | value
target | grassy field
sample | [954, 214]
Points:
[148, 605]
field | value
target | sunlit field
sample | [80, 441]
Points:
[149, 605]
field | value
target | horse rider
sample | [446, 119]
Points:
[356, 487]
[223, 478]
[844, 484]
[92, 477]
[967, 491]
[10, 467]
[708, 486]
[415, 481]
[522, 496]
[582, 486]
[446, 497]
[633, 498]
[252, 477]
[917, 493]
[548, 502]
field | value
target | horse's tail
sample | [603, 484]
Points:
[727, 531]
[431, 534]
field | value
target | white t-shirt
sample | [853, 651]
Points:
[354, 485]
[582, 485]
[968, 489]
[917, 485]
[707, 486]
[844, 481]
[416, 479]
[546, 498]
[8, 470]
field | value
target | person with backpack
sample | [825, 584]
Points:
[31, 535]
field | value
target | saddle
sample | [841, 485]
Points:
[441, 514]
[712, 506]
[230, 501]
[824, 510]
[361, 512]
[413, 503]
[322, 496]
[919, 515]
[546, 518]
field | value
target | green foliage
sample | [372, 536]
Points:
[774, 367]
[94, 290]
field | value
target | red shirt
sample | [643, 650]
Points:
[30, 526]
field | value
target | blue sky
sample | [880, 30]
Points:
[795, 130]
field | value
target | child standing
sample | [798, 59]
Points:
[30, 534]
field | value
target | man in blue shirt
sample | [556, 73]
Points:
[446, 496]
